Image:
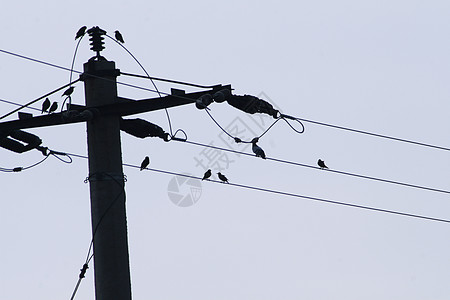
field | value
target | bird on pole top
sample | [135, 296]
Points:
[80, 32]
[118, 36]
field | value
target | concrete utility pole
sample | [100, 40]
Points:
[103, 113]
[109, 224]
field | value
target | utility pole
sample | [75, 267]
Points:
[107, 185]
[103, 113]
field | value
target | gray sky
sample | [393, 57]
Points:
[380, 66]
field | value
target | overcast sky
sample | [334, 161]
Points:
[378, 66]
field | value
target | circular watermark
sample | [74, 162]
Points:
[184, 191]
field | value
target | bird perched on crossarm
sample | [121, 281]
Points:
[145, 163]
[53, 108]
[321, 164]
[119, 36]
[68, 92]
[258, 150]
[222, 177]
[45, 105]
[80, 32]
[207, 174]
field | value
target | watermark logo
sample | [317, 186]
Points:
[184, 191]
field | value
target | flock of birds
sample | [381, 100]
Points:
[259, 152]
[47, 106]
[82, 31]
[256, 149]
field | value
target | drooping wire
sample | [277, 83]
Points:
[267, 190]
[89, 256]
[46, 152]
[318, 168]
[71, 71]
[19, 169]
[148, 76]
[239, 140]
[185, 139]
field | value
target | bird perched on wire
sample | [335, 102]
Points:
[68, 92]
[53, 108]
[223, 177]
[145, 163]
[119, 36]
[80, 32]
[321, 164]
[207, 174]
[45, 105]
[258, 150]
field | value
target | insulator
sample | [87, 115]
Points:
[222, 95]
[204, 101]
[96, 39]
[142, 129]
[252, 104]
[12, 141]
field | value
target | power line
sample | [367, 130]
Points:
[301, 119]
[39, 98]
[314, 167]
[47, 152]
[376, 135]
[151, 79]
[169, 80]
[286, 161]
[18, 104]
[238, 140]
[267, 190]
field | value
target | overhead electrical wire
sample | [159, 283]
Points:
[375, 134]
[169, 80]
[238, 140]
[318, 168]
[36, 100]
[148, 75]
[54, 153]
[17, 104]
[287, 161]
[301, 119]
[272, 191]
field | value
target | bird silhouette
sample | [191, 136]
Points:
[207, 174]
[222, 177]
[80, 32]
[53, 108]
[258, 150]
[68, 92]
[145, 163]
[45, 105]
[321, 164]
[119, 36]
